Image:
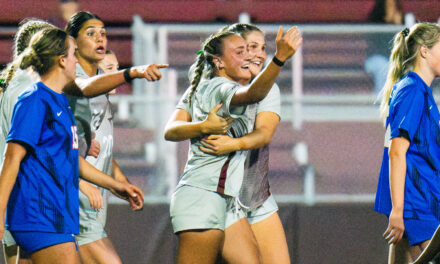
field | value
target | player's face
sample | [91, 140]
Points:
[92, 41]
[257, 49]
[70, 59]
[433, 58]
[234, 63]
[109, 64]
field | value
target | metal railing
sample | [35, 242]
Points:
[152, 104]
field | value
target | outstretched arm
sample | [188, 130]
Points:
[287, 45]
[101, 84]
[13, 157]
[266, 124]
[180, 127]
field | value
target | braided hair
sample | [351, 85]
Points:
[27, 28]
[204, 65]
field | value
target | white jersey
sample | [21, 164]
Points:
[21, 81]
[94, 119]
[255, 188]
[223, 174]
[102, 131]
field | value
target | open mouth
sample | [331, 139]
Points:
[245, 66]
[100, 50]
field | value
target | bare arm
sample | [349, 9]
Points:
[101, 84]
[92, 193]
[13, 157]
[397, 154]
[180, 127]
[286, 47]
[117, 172]
[266, 124]
[123, 190]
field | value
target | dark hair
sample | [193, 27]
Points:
[377, 14]
[78, 20]
[204, 65]
[43, 49]
[243, 29]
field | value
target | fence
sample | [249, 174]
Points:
[329, 118]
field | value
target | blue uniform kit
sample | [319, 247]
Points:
[43, 204]
[413, 114]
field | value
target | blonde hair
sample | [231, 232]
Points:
[27, 29]
[406, 47]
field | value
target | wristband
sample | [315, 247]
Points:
[127, 76]
[277, 61]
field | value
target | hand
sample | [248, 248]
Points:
[219, 145]
[131, 193]
[93, 194]
[150, 72]
[395, 229]
[95, 148]
[288, 44]
[214, 124]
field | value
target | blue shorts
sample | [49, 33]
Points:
[33, 241]
[417, 231]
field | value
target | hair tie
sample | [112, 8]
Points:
[405, 32]
[200, 52]
[2, 83]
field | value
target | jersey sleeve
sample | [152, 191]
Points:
[406, 110]
[225, 94]
[27, 121]
[272, 101]
[184, 102]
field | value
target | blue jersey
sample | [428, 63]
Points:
[45, 195]
[413, 114]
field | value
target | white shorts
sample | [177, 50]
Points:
[196, 208]
[262, 212]
[8, 240]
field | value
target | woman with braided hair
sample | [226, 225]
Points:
[16, 81]
[207, 192]
[408, 190]
[260, 207]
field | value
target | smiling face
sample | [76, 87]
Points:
[257, 50]
[234, 63]
[92, 41]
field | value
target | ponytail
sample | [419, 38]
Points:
[204, 66]
[406, 48]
